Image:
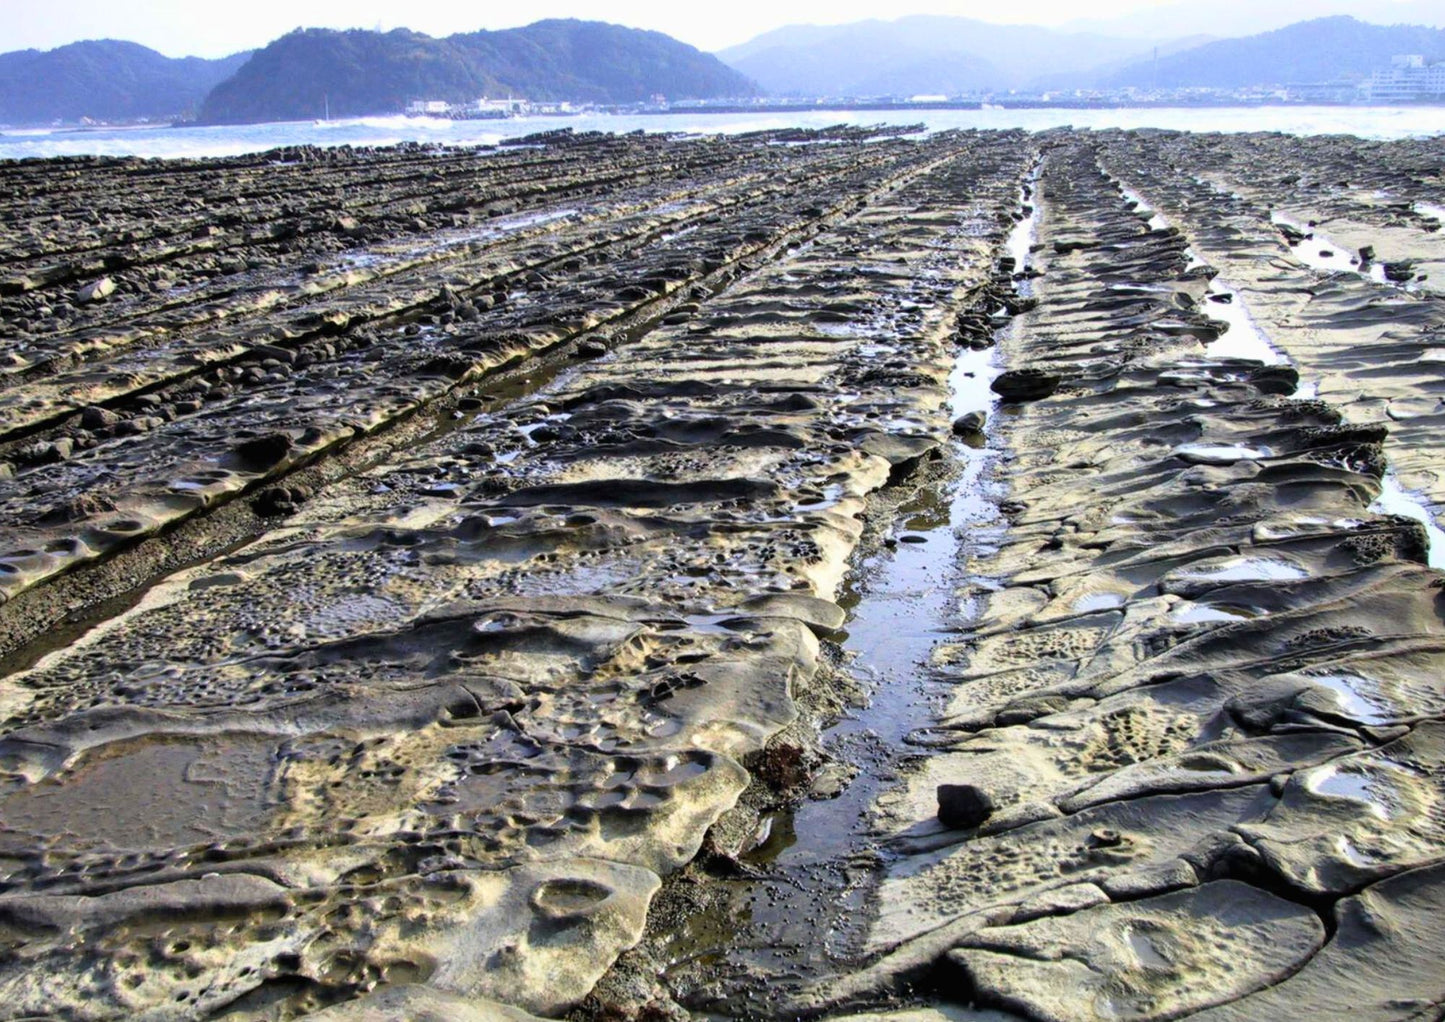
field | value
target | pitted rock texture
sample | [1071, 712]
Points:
[1259, 209]
[412, 557]
[440, 729]
[1199, 691]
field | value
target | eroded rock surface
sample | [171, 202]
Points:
[448, 720]
[1199, 694]
[411, 558]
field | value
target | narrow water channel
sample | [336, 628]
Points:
[903, 600]
[802, 913]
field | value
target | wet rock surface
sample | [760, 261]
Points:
[427, 572]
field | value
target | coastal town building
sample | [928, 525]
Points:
[1407, 79]
[509, 107]
[487, 108]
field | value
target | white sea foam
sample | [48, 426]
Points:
[1367, 122]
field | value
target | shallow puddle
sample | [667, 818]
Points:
[1098, 601]
[1157, 221]
[1204, 613]
[1220, 454]
[1396, 500]
[1354, 784]
[1318, 252]
[1247, 569]
[1359, 697]
[1431, 210]
[1243, 339]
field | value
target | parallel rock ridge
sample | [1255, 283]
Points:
[448, 719]
[1202, 701]
[408, 553]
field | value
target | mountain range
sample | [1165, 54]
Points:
[360, 72]
[1321, 50]
[1233, 18]
[917, 55]
[105, 79]
[363, 72]
[928, 54]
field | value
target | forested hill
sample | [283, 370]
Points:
[105, 79]
[362, 72]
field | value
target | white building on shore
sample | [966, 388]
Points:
[1407, 79]
[486, 108]
[509, 107]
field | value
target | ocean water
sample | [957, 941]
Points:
[1367, 122]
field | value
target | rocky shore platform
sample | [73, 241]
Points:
[842, 574]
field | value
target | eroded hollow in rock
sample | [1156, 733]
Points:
[663, 576]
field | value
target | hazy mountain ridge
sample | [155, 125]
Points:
[106, 79]
[1237, 18]
[863, 58]
[1323, 49]
[364, 72]
[955, 55]
[925, 53]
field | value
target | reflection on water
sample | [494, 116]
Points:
[1246, 569]
[1318, 252]
[1098, 601]
[1219, 454]
[1243, 339]
[1394, 499]
[1359, 697]
[1203, 613]
[1359, 785]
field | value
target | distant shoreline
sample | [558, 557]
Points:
[887, 105]
[164, 141]
[882, 106]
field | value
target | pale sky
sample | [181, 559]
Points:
[213, 28]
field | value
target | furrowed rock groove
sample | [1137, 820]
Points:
[419, 565]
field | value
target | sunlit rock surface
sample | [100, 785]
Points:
[419, 565]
